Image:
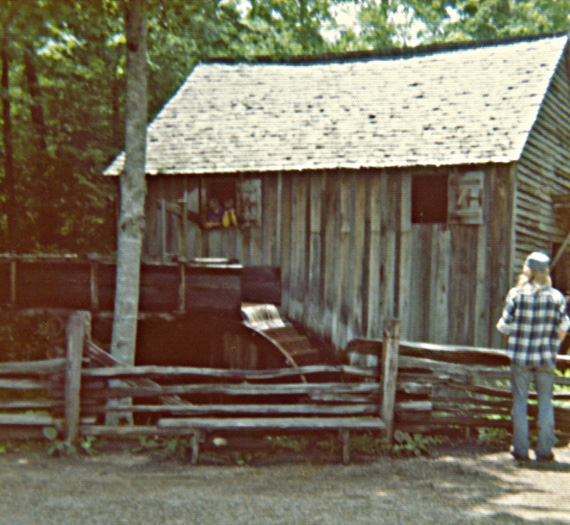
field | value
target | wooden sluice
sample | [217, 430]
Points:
[75, 283]
[265, 320]
[204, 312]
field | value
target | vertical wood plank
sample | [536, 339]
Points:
[482, 299]
[405, 251]
[391, 191]
[439, 286]
[194, 239]
[286, 242]
[182, 289]
[13, 277]
[360, 234]
[313, 310]
[331, 264]
[94, 284]
[419, 300]
[377, 191]
[462, 278]
[76, 333]
[151, 241]
[245, 246]
[271, 210]
[299, 238]
[257, 238]
[483, 310]
[215, 243]
[501, 239]
[184, 229]
[346, 259]
[389, 374]
[163, 248]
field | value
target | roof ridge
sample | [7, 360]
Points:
[393, 52]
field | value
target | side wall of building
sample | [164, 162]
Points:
[351, 254]
[543, 172]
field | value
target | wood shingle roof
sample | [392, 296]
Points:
[454, 106]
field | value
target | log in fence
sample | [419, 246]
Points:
[410, 387]
[445, 386]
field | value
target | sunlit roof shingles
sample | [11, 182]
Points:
[457, 106]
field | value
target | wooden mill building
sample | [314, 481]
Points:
[408, 185]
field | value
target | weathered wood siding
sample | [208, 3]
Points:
[544, 171]
[350, 256]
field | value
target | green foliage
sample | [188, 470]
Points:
[493, 436]
[176, 448]
[369, 444]
[25, 338]
[242, 458]
[562, 403]
[67, 128]
[7, 447]
[500, 18]
[417, 444]
[59, 448]
[288, 443]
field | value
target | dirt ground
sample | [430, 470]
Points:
[120, 487]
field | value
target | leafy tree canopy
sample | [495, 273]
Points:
[63, 83]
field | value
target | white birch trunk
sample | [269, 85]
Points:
[133, 192]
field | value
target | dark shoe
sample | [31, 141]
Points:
[543, 459]
[520, 457]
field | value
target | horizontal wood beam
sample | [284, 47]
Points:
[274, 423]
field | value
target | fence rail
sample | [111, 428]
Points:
[436, 387]
[445, 386]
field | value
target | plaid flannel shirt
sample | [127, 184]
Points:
[533, 319]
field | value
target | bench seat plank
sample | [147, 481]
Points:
[274, 423]
[232, 410]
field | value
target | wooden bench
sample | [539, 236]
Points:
[341, 398]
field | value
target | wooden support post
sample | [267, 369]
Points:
[344, 435]
[184, 247]
[13, 283]
[389, 373]
[182, 289]
[163, 230]
[77, 332]
[94, 267]
[197, 438]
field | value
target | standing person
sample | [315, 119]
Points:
[214, 214]
[535, 320]
[230, 216]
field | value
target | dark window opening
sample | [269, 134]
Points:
[219, 208]
[429, 199]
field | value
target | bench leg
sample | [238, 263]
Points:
[197, 438]
[344, 435]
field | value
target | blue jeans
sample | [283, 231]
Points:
[544, 383]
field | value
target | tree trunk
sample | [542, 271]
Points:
[36, 110]
[11, 223]
[133, 191]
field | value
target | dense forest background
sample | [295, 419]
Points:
[63, 84]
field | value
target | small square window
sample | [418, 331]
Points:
[429, 199]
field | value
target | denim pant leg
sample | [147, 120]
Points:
[520, 381]
[544, 382]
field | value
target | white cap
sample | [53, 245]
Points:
[538, 261]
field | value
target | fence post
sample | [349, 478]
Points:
[78, 328]
[389, 373]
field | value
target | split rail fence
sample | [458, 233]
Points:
[444, 386]
[410, 387]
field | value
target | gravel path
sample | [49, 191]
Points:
[122, 488]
